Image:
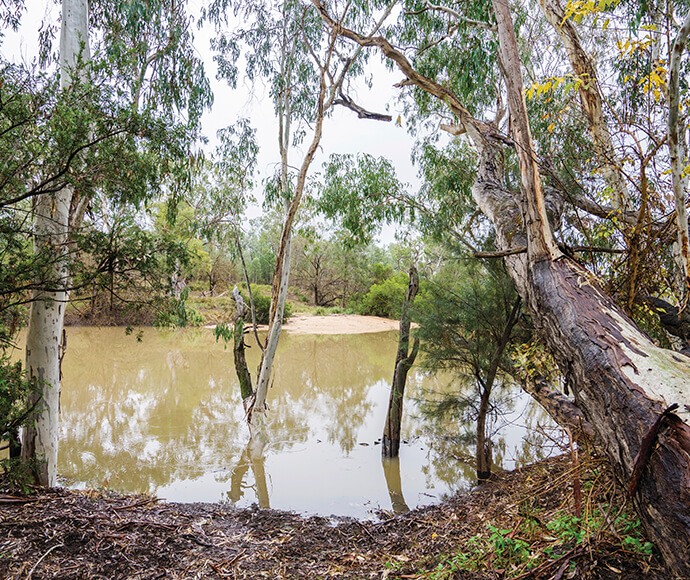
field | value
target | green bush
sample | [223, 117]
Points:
[385, 299]
[262, 307]
[14, 391]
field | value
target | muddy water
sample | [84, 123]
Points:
[162, 415]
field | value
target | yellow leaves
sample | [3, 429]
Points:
[631, 47]
[578, 9]
[570, 82]
[654, 83]
[551, 127]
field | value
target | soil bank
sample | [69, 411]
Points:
[501, 530]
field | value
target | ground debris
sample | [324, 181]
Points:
[515, 526]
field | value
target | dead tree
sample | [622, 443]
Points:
[403, 362]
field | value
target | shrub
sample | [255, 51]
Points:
[385, 299]
[262, 307]
[14, 391]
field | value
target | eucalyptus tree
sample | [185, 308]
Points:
[305, 66]
[53, 212]
[626, 385]
[96, 137]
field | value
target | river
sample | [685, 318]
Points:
[160, 413]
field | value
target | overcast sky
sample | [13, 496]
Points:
[343, 131]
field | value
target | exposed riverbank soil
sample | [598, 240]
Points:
[62, 534]
[338, 324]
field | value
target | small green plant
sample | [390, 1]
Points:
[534, 543]
[509, 550]
[568, 528]
[17, 476]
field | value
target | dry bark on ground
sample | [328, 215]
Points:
[65, 534]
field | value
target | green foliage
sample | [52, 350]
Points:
[262, 308]
[385, 299]
[15, 388]
[535, 541]
[464, 317]
[15, 412]
[17, 476]
[179, 314]
[360, 194]
[463, 55]
[445, 205]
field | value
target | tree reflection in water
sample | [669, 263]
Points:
[164, 416]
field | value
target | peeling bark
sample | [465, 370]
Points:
[561, 409]
[620, 379]
[540, 242]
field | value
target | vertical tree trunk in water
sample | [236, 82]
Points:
[390, 446]
[483, 455]
[44, 341]
[243, 375]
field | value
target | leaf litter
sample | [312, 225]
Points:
[518, 525]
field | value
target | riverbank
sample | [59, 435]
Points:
[212, 310]
[338, 324]
[520, 525]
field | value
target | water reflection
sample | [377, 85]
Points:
[255, 459]
[391, 471]
[164, 416]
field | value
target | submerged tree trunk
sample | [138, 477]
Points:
[483, 453]
[390, 445]
[44, 341]
[238, 350]
[391, 471]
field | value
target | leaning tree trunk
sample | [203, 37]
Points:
[621, 380]
[404, 360]
[281, 275]
[45, 337]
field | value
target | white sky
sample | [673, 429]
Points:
[343, 132]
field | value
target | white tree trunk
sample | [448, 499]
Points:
[44, 342]
[256, 423]
[678, 151]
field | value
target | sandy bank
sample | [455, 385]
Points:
[338, 324]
